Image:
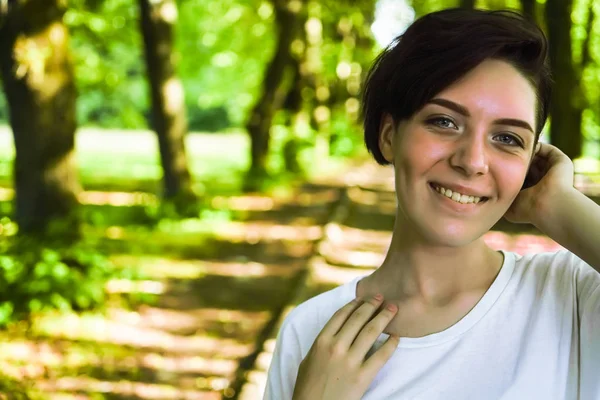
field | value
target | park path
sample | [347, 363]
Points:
[222, 298]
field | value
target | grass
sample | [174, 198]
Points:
[129, 160]
[122, 160]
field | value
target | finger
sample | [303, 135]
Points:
[545, 149]
[558, 162]
[553, 158]
[340, 317]
[552, 153]
[357, 321]
[378, 359]
[371, 332]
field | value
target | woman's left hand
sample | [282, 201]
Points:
[550, 173]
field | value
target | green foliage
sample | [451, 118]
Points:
[3, 107]
[17, 390]
[347, 138]
[108, 55]
[223, 49]
[38, 276]
[212, 119]
[212, 40]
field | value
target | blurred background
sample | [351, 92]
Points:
[176, 176]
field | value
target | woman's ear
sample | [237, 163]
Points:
[386, 137]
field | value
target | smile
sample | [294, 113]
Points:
[457, 197]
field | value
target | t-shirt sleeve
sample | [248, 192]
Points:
[285, 363]
[588, 293]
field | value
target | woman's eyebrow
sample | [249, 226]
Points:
[514, 122]
[464, 111]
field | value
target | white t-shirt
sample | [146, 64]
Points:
[535, 334]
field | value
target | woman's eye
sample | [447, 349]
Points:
[442, 122]
[509, 139]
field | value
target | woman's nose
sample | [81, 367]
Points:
[470, 156]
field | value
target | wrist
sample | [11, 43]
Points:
[551, 206]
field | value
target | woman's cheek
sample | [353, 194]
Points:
[423, 151]
[512, 175]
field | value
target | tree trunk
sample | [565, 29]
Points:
[567, 97]
[261, 116]
[528, 9]
[293, 104]
[467, 3]
[41, 95]
[169, 119]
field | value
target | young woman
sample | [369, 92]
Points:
[456, 105]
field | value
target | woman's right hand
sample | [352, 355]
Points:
[335, 367]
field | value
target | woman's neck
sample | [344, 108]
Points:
[432, 275]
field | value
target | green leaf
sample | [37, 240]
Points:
[6, 311]
[35, 305]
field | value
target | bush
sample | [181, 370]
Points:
[38, 276]
[212, 119]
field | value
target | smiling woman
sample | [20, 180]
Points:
[465, 141]
[456, 106]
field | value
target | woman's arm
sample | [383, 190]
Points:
[556, 208]
[573, 220]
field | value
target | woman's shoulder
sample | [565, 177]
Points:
[558, 260]
[558, 268]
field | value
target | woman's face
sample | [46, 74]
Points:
[474, 139]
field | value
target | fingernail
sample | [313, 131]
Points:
[378, 297]
[392, 307]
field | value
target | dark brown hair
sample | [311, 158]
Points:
[441, 47]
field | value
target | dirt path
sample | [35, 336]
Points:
[219, 298]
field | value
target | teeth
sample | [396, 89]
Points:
[458, 197]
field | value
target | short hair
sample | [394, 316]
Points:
[440, 48]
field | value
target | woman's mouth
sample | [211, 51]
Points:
[457, 197]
